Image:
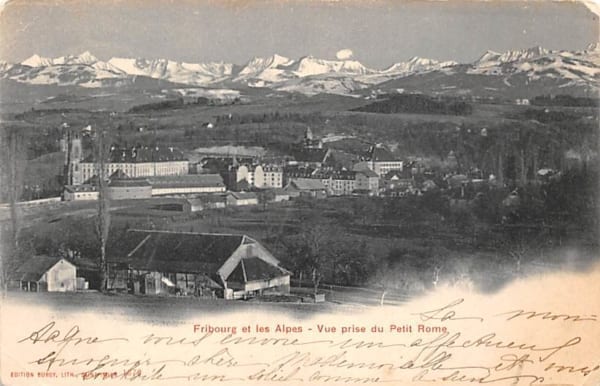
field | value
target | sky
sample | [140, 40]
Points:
[378, 33]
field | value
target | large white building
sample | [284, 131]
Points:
[138, 161]
[268, 176]
[123, 187]
[338, 182]
[381, 160]
[189, 184]
[260, 176]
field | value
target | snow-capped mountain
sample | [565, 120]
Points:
[38, 61]
[85, 58]
[310, 75]
[536, 63]
[81, 70]
[176, 72]
[265, 70]
[414, 66]
[283, 73]
[520, 73]
[417, 64]
[310, 65]
[495, 58]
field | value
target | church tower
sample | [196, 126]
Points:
[310, 142]
[71, 146]
[308, 135]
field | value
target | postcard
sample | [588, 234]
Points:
[299, 192]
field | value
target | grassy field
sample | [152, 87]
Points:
[463, 263]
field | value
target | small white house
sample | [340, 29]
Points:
[80, 192]
[45, 273]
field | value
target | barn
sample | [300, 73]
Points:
[156, 262]
[45, 273]
[242, 198]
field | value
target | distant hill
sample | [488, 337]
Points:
[418, 104]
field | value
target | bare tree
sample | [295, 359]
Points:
[264, 197]
[307, 251]
[13, 165]
[101, 153]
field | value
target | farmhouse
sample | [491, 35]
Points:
[45, 273]
[242, 198]
[80, 192]
[279, 195]
[124, 189]
[306, 187]
[211, 201]
[165, 262]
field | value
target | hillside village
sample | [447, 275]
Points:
[300, 192]
[296, 180]
[161, 180]
[311, 170]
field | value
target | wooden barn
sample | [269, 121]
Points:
[45, 273]
[186, 263]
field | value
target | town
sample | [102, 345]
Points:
[165, 176]
[165, 202]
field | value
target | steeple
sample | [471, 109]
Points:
[308, 135]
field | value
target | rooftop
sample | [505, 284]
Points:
[168, 251]
[128, 183]
[80, 188]
[140, 154]
[307, 184]
[379, 153]
[187, 180]
[34, 268]
[253, 268]
[367, 172]
[335, 174]
[243, 195]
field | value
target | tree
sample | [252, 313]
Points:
[264, 197]
[101, 153]
[352, 263]
[307, 250]
[13, 166]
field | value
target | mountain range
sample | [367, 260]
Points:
[512, 71]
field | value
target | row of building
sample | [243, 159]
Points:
[166, 262]
[120, 186]
[135, 161]
[143, 171]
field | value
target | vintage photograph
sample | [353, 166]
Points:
[164, 160]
